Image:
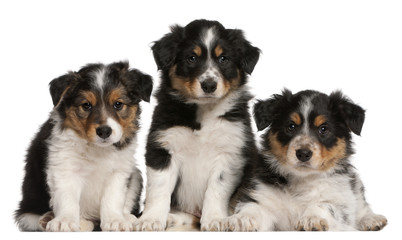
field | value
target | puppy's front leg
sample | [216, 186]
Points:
[160, 185]
[113, 202]
[216, 201]
[65, 191]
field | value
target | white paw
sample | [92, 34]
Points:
[240, 223]
[312, 224]
[216, 225]
[149, 225]
[122, 224]
[63, 225]
[372, 223]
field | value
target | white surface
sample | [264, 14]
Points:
[355, 46]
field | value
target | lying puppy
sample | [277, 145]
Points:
[305, 180]
[200, 137]
[80, 165]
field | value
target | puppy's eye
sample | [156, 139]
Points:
[291, 128]
[222, 59]
[323, 129]
[192, 59]
[118, 105]
[86, 106]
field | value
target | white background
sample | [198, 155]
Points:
[355, 46]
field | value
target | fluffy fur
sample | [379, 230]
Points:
[200, 137]
[80, 165]
[304, 180]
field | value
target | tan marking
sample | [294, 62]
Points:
[128, 122]
[184, 85]
[232, 85]
[295, 117]
[197, 50]
[218, 50]
[277, 149]
[77, 118]
[319, 120]
[90, 97]
[116, 95]
[330, 157]
[78, 124]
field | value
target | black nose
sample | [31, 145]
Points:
[209, 86]
[304, 154]
[103, 131]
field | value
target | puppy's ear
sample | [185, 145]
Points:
[164, 50]
[249, 53]
[139, 85]
[352, 114]
[59, 86]
[265, 111]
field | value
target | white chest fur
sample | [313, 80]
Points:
[318, 196]
[204, 155]
[73, 161]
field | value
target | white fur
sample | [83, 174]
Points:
[303, 202]
[199, 158]
[29, 222]
[90, 182]
[99, 77]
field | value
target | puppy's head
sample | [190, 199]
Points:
[203, 61]
[100, 102]
[309, 132]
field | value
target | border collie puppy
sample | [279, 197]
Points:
[200, 137]
[305, 180]
[80, 165]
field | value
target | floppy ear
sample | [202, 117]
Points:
[351, 113]
[140, 84]
[164, 50]
[264, 111]
[249, 53]
[59, 86]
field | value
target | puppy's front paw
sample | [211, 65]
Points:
[63, 225]
[241, 223]
[150, 225]
[116, 225]
[372, 223]
[44, 219]
[217, 224]
[312, 224]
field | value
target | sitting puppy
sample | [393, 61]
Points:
[305, 180]
[80, 165]
[200, 137]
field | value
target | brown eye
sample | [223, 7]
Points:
[222, 59]
[192, 59]
[291, 128]
[118, 105]
[323, 129]
[86, 106]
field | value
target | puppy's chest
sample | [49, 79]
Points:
[307, 191]
[216, 136]
[215, 147]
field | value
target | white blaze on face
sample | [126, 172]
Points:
[211, 72]
[100, 78]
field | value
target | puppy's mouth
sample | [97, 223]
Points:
[103, 142]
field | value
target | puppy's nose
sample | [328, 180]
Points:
[209, 86]
[304, 154]
[104, 131]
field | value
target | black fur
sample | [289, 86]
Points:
[343, 116]
[65, 90]
[173, 109]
